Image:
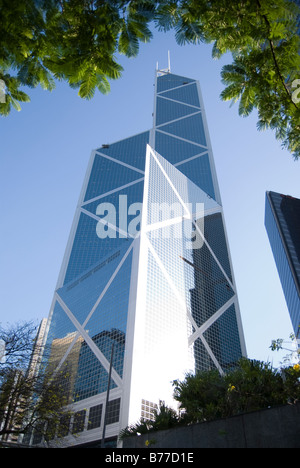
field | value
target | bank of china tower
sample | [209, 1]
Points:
[146, 290]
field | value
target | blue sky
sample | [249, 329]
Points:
[44, 152]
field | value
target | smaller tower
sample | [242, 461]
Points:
[282, 221]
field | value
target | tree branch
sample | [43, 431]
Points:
[271, 44]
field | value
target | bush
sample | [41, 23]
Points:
[251, 386]
[163, 418]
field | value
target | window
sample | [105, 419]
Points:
[95, 417]
[148, 409]
[113, 411]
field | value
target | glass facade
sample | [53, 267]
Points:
[146, 289]
[282, 221]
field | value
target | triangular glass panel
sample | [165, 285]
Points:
[208, 287]
[169, 81]
[163, 201]
[108, 321]
[211, 288]
[194, 272]
[185, 189]
[167, 110]
[68, 369]
[165, 343]
[203, 361]
[174, 149]
[60, 336]
[107, 175]
[190, 128]
[131, 150]
[121, 209]
[88, 248]
[185, 94]
[198, 170]
[215, 236]
[223, 339]
[119, 199]
[91, 378]
[81, 294]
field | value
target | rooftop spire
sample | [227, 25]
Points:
[164, 71]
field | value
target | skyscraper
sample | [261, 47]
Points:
[146, 290]
[282, 221]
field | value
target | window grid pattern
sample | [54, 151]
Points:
[113, 411]
[95, 415]
[182, 328]
[188, 289]
[210, 295]
[148, 410]
[284, 240]
[89, 317]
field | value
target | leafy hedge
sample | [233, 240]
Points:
[251, 386]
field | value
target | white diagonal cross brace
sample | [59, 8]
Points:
[89, 341]
[100, 356]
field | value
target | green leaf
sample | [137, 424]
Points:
[247, 101]
[88, 85]
[278, 31]
[20, 96]
[5, 108]
[128, 41]
[15, 104]
[232, 91]
[103, 85]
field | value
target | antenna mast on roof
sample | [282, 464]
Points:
[164, 71]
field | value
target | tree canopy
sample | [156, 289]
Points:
[77, 41]
[251, 386]
[206, 396]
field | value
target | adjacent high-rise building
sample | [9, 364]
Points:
[282, 221]
[146, 290]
